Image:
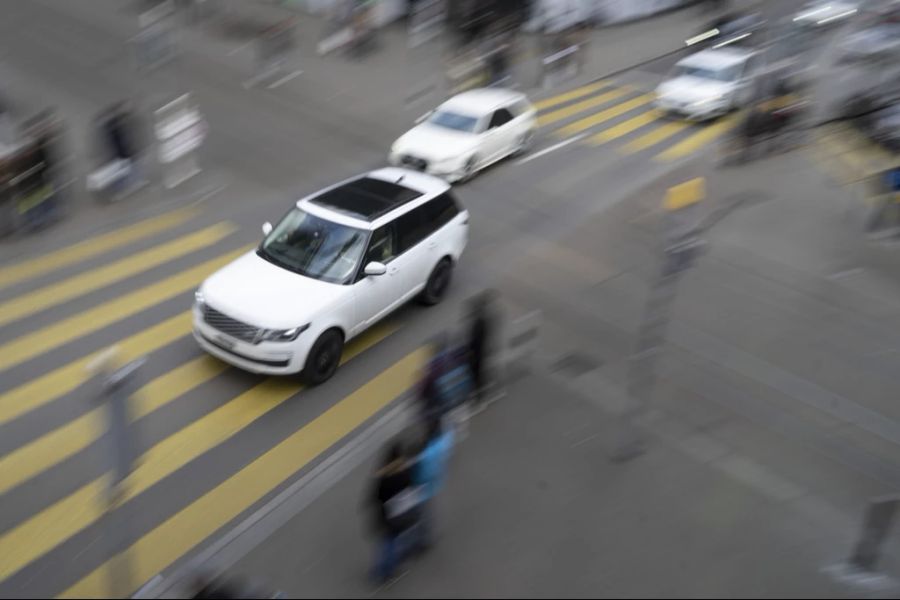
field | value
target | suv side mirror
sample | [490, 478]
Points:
[375, 269]
[266, 228]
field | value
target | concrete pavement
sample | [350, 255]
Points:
[784, 331]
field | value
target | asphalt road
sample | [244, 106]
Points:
[203, 424]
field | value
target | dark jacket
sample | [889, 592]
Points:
[389, 481]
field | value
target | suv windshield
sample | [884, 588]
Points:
[727, 74]
[314, 247]
[451, 120]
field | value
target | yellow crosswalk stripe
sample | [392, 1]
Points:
[36, 343]
[604, 115]
[624, 128]
[85, 283]
[579, 107]
[182, 532]
[38, 535]
[656, 136]
[580, 92]
[695, 141]
[48, 263]
[54, 447]
[63, 380]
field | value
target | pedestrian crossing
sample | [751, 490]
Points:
[847, 157]
[70, 303]
[606, 113]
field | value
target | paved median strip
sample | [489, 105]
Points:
[42, 265]
[93, 280]
[43, 532]
[62, 332]
[181, 533]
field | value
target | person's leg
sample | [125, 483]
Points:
[386, 560]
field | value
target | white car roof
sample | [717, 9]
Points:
[427, 186]
[481, 101]
[716, 59]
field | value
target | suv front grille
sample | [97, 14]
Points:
[229, 326]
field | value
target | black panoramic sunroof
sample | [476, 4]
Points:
[367, 198]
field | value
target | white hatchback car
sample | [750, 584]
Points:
[467, 133]
[708, 84]
[337, 263]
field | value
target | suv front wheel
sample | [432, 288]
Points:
[324, 357]
[437, 283]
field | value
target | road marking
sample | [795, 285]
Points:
[40, 534]
[240, 48]
[697, 140]
[625, 127]
[58, 259]
[552, 148]
[56, 446]
[182, 532]
[62, 332]
[63, 380]
[604, 115]
[573, 95]
[284, 79]
[579, 107]
[85, 283]
[655, 136]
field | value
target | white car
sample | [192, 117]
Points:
[825, 12]
[337, 263]
[708, 84]
[467, 133]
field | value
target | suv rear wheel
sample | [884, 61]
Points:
[437, 283]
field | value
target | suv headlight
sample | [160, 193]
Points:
[282, 335]
[199, 299]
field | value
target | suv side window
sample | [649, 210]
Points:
[413, 227]
[382, 245]
[441, 210]
[501, 117]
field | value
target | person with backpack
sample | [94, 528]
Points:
[429, 474]
[396, 502]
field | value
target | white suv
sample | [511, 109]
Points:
[338, 262]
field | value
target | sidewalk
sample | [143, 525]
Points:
[534, 508]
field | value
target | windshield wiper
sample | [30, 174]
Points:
[268, 257]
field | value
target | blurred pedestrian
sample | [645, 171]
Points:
[447, 385]
[429, 473]
[396, 503]
[481, 339]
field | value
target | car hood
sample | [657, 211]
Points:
[259, 293]
[692, 89]
[435, 143]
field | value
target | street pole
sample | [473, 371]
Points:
[683, 245]
[115, 389]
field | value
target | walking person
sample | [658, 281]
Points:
[429, 474]
[447, 386]
[395, 502]
[481, 340]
